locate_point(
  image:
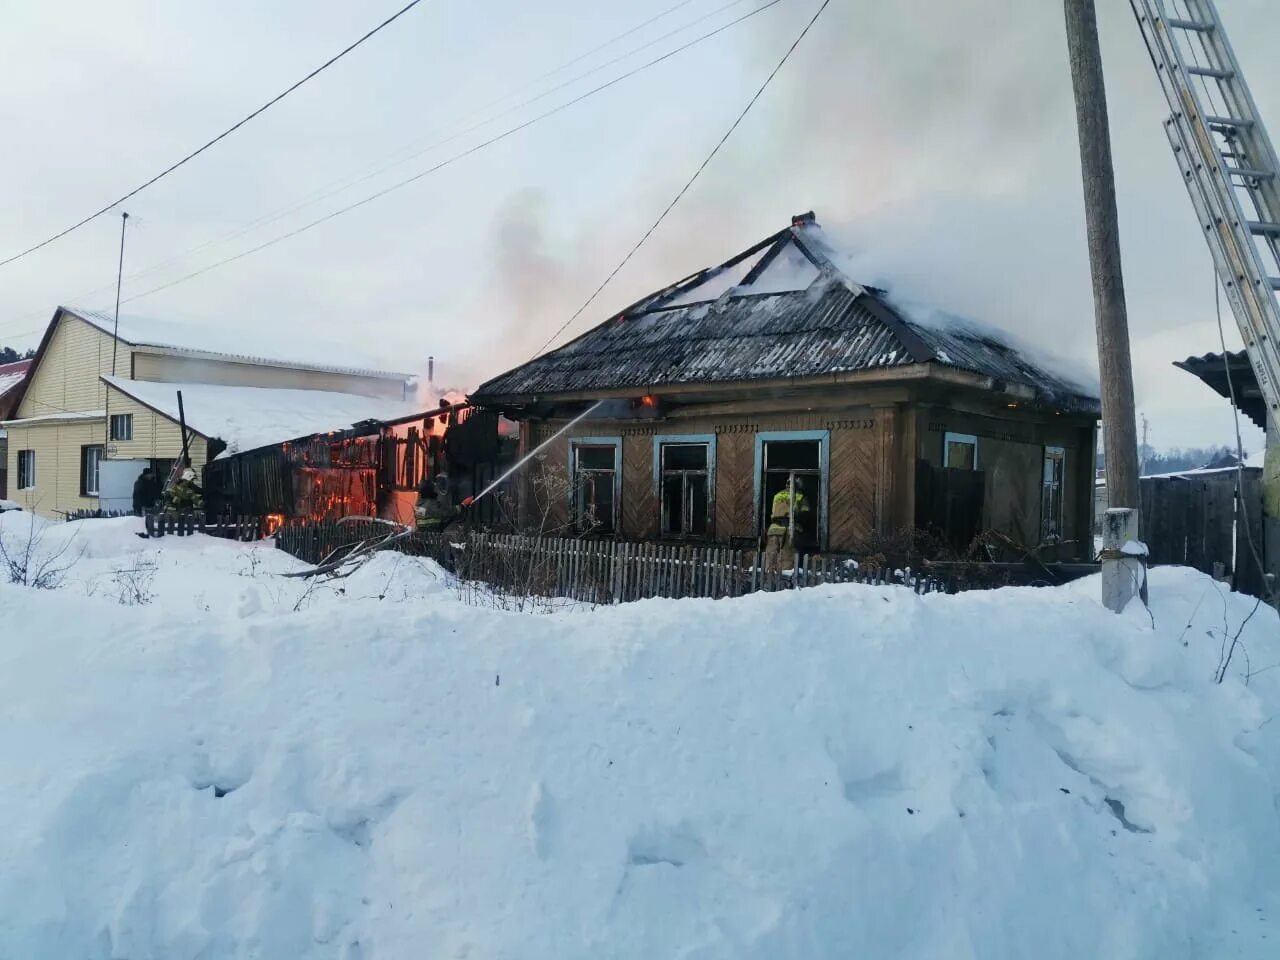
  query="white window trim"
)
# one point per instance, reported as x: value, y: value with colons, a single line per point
x: 97, y: 487
x: 950, y: 438
x: 126, y: 418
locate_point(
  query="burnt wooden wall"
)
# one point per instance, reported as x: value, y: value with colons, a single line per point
x: 856, y: 499
x: 866, y: 461
x: 735, y: 482
x: 639, y: 502
x: 1010, y: 455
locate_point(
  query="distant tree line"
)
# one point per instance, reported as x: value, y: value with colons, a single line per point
x: 10, y: 355
x: 1177, y: 459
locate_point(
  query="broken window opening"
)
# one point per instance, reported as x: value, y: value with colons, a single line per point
x: 686, y: 484
x: 595, y: 478
x: 792, y: 487
x: 1051, y: 502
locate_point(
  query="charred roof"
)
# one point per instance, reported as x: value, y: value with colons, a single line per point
x: 780, y: 309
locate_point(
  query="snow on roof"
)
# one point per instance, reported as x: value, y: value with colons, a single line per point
x: 249, y: 417
x: 64, y: 415
x: 11, y: 375
x: 259, y: 345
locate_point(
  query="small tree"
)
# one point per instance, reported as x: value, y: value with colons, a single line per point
x: 27, y: 562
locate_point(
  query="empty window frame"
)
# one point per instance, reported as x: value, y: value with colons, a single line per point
x: 684, y: 477
x: 595, y: 471
x: 121, y: 426
x: 1051, y: 499
x: 794, y: 461
x: 26, y: 469
x: 960, y: 451
x: 90, y: 466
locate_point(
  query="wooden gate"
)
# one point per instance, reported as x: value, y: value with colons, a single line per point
x: 949, y: 501
x: 1196, y: 520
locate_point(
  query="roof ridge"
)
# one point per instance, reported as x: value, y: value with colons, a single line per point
x: 99, y: 320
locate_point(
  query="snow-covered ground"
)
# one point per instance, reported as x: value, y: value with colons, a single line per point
x: 243, y: 768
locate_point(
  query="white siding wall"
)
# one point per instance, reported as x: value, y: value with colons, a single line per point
x: 67, y: 378
x: 155, y: 437
x: 57, y: 447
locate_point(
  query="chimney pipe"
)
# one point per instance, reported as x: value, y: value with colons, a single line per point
x: 431, y: 371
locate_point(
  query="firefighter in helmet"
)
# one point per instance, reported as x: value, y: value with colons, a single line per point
x: 185, y: 495
x: 789, y: 517
x: 434, y: 508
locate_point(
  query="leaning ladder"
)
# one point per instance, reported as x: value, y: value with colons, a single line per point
x: 1228, y: 165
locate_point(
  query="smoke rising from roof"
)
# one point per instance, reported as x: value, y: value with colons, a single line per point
x: 937, y: 142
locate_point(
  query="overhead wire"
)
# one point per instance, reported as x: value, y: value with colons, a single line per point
x: 339, y: 186
x: 511, y: 131
x: 221, y: 136
x: 1267, y: 587
x: 689, y: 183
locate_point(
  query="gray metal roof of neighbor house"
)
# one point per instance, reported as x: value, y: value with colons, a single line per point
x: 780, y: 309
x: 1212, y: 368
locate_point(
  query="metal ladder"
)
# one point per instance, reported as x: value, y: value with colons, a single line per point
x: 1229, y: 167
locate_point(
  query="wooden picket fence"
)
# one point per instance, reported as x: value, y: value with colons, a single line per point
x: 604, y: 571
x: 243, y: 529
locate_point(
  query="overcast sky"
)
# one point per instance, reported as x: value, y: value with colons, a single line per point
x: 936, y: 137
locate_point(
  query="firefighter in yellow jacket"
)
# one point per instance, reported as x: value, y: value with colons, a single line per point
x: 788, y: 519
x: 434, y: 508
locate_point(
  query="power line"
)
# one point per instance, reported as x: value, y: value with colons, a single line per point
x: 225, y: 133
x: 458, y: 156
x: 685, y: 189
x: 335, y: 187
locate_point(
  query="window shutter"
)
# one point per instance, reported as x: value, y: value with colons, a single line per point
x: 84, y: 469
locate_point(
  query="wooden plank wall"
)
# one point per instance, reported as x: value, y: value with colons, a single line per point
x: 865, y: 459
x: 856, y: 463
x: 735, y: 484
x: 639, y: 503
x: 1197, y: 522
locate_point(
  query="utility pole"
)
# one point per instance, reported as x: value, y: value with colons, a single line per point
x: 115, y: 333
x: 1119, y: 432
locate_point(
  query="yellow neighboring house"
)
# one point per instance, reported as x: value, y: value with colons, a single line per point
x: 77, y: 428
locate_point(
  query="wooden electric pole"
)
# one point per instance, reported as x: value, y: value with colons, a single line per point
x: 1119, y: 431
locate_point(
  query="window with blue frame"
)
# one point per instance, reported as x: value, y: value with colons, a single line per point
x: 685, y: 488
x: 791, y: 485
x: 595, y: 474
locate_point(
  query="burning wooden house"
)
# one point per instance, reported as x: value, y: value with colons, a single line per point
x: 371, y: 468
x: 776, y: 370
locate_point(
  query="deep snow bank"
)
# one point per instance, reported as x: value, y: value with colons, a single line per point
x: 838, y: 772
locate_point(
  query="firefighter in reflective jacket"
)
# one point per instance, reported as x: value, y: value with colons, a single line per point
x: 787, y: 515
x: 434, y: 508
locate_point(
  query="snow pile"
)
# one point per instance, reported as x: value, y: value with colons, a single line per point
x: 846, y: 771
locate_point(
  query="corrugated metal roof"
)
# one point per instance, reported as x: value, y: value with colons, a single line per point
x: 742, y: 338
x: 984, y: 355
x: 1211, y: 368
x: 245, y: 344
x: 831, y: 326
